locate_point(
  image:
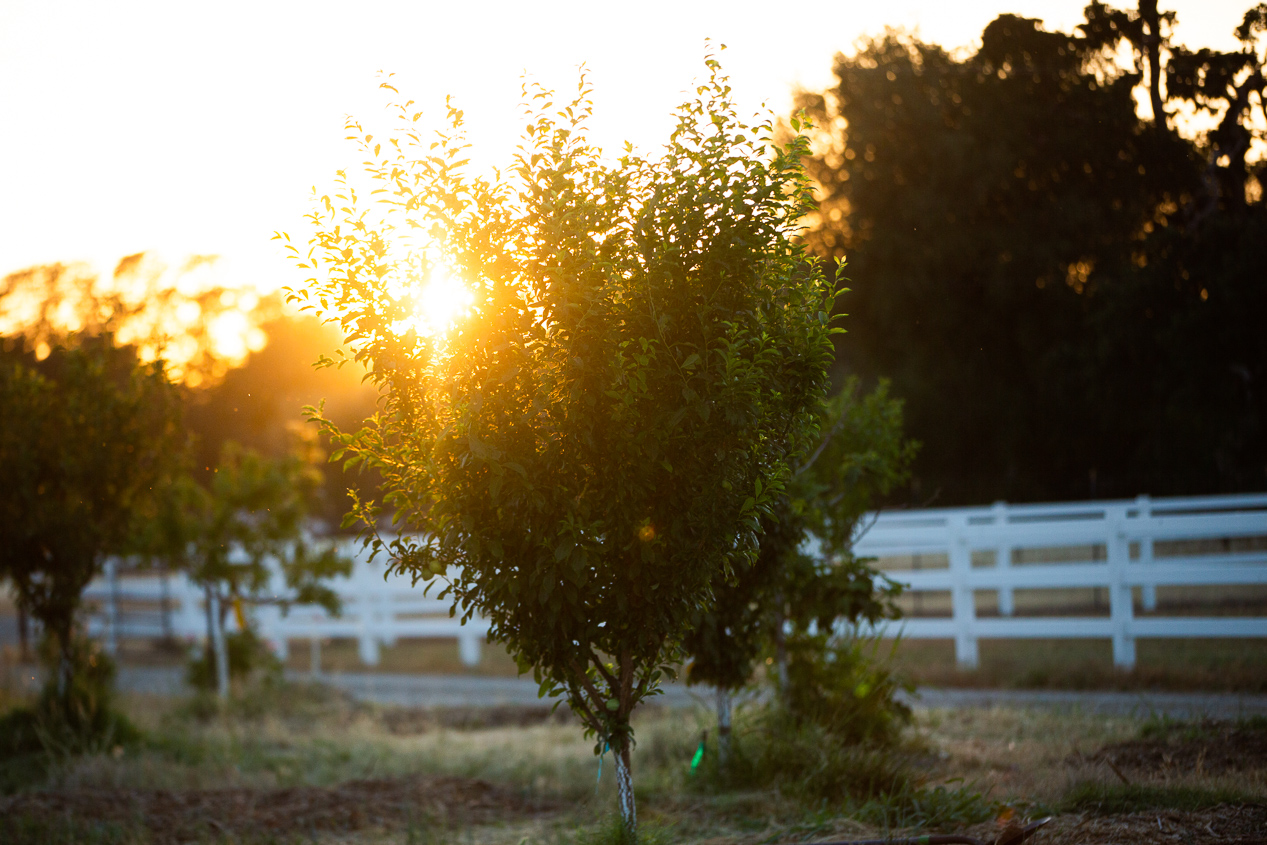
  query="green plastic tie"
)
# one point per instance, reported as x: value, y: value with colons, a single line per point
x: 699, y: 755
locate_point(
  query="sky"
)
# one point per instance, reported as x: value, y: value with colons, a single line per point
x: 185, y: 128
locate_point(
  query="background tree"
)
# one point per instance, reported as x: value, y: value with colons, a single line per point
x: 244, y: 364
x: 199, y: 325
x: 236, y: 535
x: 1027, y: 252
x: 859, y: 457
x: 593, y: 448
x: 259, y: 404
x: 87, y: 435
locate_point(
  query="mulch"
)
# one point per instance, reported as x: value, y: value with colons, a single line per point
x: 186, y: 815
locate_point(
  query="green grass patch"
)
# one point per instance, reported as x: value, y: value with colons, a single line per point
x: 26, y: 830
x: 1116, y: 798
x: 941, y: 807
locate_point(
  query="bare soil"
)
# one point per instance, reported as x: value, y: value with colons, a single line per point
x: 1243, y: 825
x: 1211, y: 748
x: 181, y: 816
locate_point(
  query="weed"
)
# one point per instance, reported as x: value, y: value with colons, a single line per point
x: 66, y: 830
x: 935, y: 808
x: 609, y: 831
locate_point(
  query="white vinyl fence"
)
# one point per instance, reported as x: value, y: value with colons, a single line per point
x: 1123, y: 546
x: 1119, y: 545
x: 374, y: 611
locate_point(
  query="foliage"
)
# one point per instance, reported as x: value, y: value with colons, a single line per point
x: 260, y: 403
x: 845, y: 687
x: 86, y: 437
x: 940, y: 807
x: 251, y: 515
x: 860, y: 456
x: 180, y: 315
x: 83, y: 720
x: 836, y: 733
x: 593, y: 449
x: 248, y: 656
x: 244, y: 538
x: 1059, y: 289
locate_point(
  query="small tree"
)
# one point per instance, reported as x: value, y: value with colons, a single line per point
x: 860, y: 455
x: 86, y: 437
x: 231, y: 534
x: 592, y: 449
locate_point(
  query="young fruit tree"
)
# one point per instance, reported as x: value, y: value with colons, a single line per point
x: 242, y: 537
x: 588, y: 449
x: 859, y: 456
x: 87, y: 435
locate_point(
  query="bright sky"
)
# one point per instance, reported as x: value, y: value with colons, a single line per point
x: 200, y: 128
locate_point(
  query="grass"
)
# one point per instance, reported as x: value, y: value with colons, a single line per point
x: 966, y: 768
x: 1182, y: 665
x: 1113, y: 799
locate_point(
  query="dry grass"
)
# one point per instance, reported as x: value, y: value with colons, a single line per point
x: 345, y: 772
x: 1188, y: 664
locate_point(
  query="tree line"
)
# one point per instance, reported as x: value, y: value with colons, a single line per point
x: 1068, y: 296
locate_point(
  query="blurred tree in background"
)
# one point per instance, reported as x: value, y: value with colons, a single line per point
x: 243, y: 538
x: 88, y: 437
x: 860, y: 456
x: 243, y: 365
x: 1068, y: 296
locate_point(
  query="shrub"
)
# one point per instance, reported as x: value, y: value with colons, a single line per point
x: 249, y: 656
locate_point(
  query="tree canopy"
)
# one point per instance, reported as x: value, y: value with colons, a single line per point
x: 1059, y: 288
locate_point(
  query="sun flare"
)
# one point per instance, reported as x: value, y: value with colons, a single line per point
x: 439, y: 304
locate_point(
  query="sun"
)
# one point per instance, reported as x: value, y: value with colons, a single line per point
x: 439, y: 304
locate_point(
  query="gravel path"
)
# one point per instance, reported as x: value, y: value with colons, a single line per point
x: 467, y: 691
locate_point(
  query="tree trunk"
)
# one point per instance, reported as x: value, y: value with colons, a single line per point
x: 780, y: 654
x: 221, y: 651
x: 625, y: 793
x: 65, y: 670
x: 1152, y: 44
x: 723, y: 728
x: 24, y: 634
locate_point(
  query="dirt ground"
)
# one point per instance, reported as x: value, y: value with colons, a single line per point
x: 181, y: 816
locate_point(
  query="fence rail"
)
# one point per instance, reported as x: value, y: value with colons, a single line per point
x: 375, y: 611
x: 1119, y: 542
x: 1129, y: 545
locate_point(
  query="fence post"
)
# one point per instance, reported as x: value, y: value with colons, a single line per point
x: 218, y: 643
x: 189, y: 621
x: 1148, y: 592
x: 368, y: 642
x: 469, y: 649
x: 1003, y: 560
x: 314, y: 654
x: 112, y: 606
x: 963, y: 608
x: 1121, y: 605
